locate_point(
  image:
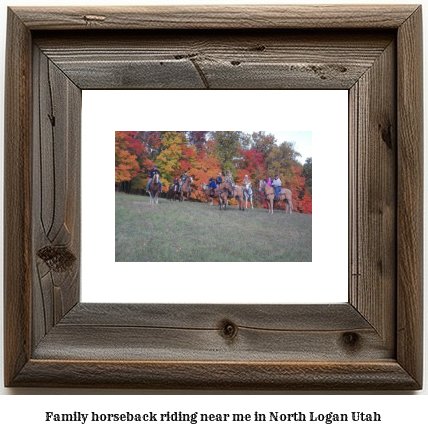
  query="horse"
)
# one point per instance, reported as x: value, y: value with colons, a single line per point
x: 173, y: 192
x: 269, y: 194
x: 207, y: 192
x: 154, y: 189
x: 248, y: 194
x: 238, y: 194
x: 185, y: 188
x: 286, y: 195
x: 223, y: 193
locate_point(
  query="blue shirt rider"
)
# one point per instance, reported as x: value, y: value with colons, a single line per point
x: 151, y: 175
x: 175, y: 183
x: 212, y: 186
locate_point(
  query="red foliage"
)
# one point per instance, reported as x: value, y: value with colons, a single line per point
x: 306, y: 203
x: 136, y: 152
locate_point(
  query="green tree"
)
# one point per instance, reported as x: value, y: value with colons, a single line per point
x: 227, y: 148
x: 263, y: 142
x: 281, y: 159
x: 307, y: 173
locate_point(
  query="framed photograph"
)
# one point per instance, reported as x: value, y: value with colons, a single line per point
x: 230, y: 170
x: 372, y: 341
x: 143, y: 236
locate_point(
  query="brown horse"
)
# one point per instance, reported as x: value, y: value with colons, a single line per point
x: 208, y: 195
x: 155, y: 189
x: 173, y: 192
x: 223, y: 193
x: 269, y: 194
x: 238, y: 194
x: 185, y: 189
x: 287, y: 197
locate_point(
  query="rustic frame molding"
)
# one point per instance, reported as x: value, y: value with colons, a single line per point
x: 372, y: 342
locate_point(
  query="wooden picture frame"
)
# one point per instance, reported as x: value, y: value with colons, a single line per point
x: 372, y: 342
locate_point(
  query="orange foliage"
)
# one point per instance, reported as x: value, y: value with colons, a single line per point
x: 176, y: 151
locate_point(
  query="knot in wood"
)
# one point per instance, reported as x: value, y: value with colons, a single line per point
x: 58, y: 259
x: 386, y: 134
x: 351, y: 340
x: 227, y: 329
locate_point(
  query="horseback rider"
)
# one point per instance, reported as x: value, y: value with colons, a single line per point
x: 247, y: 184
x: 175, y: 183
x: 248, y: 191
x: 151, y: 175
x: 183, y: 177
x: 212, y: 186
x: 276, y: 183
x: 219, y: 179
x: 229, y: 178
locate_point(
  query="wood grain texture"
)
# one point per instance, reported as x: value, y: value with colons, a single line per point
x: 199, y: 332
x: 56, y: 194
x: 372, y: 342
x: 209, y: 316
x: 17, y: 198
x: 385, y: 375
x: 216, y: 59
x: 217, y: 17
x: 373, y: 177
x: 410, y: 190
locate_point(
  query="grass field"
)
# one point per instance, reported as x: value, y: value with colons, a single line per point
x: 195, y: 232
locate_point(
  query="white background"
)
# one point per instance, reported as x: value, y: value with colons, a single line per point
x: 400, y: 413
x: 324, y: 280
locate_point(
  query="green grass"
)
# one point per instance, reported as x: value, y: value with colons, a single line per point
x: 195, y: 232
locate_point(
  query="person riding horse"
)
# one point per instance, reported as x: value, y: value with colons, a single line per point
x: 219, y: 179
x: 176, y: 183
x: 212, y: 186
x: 276, y: 183
x: 151, y: 175
x: 183, y: 177
x: 229, y: 178
x: 248, y: 191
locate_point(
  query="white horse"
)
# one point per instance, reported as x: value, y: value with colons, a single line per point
x: 154, y: 189
x: 248, y: 194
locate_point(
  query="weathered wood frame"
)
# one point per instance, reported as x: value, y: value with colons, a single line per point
x: 372, y: 342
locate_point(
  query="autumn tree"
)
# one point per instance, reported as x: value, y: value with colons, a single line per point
x: 169, y: 160
x: 281, y: 159
x: 204, y: 168
x: 263, y: 142
x: 203, y: 154
x: 306, y: 203
x: 198, y: 139
x: 151, y: 142
x: 251, y: 163
x: 126, y: 165
x: 245, y: 140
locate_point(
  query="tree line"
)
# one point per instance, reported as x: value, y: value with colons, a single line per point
x: 204, y: 154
